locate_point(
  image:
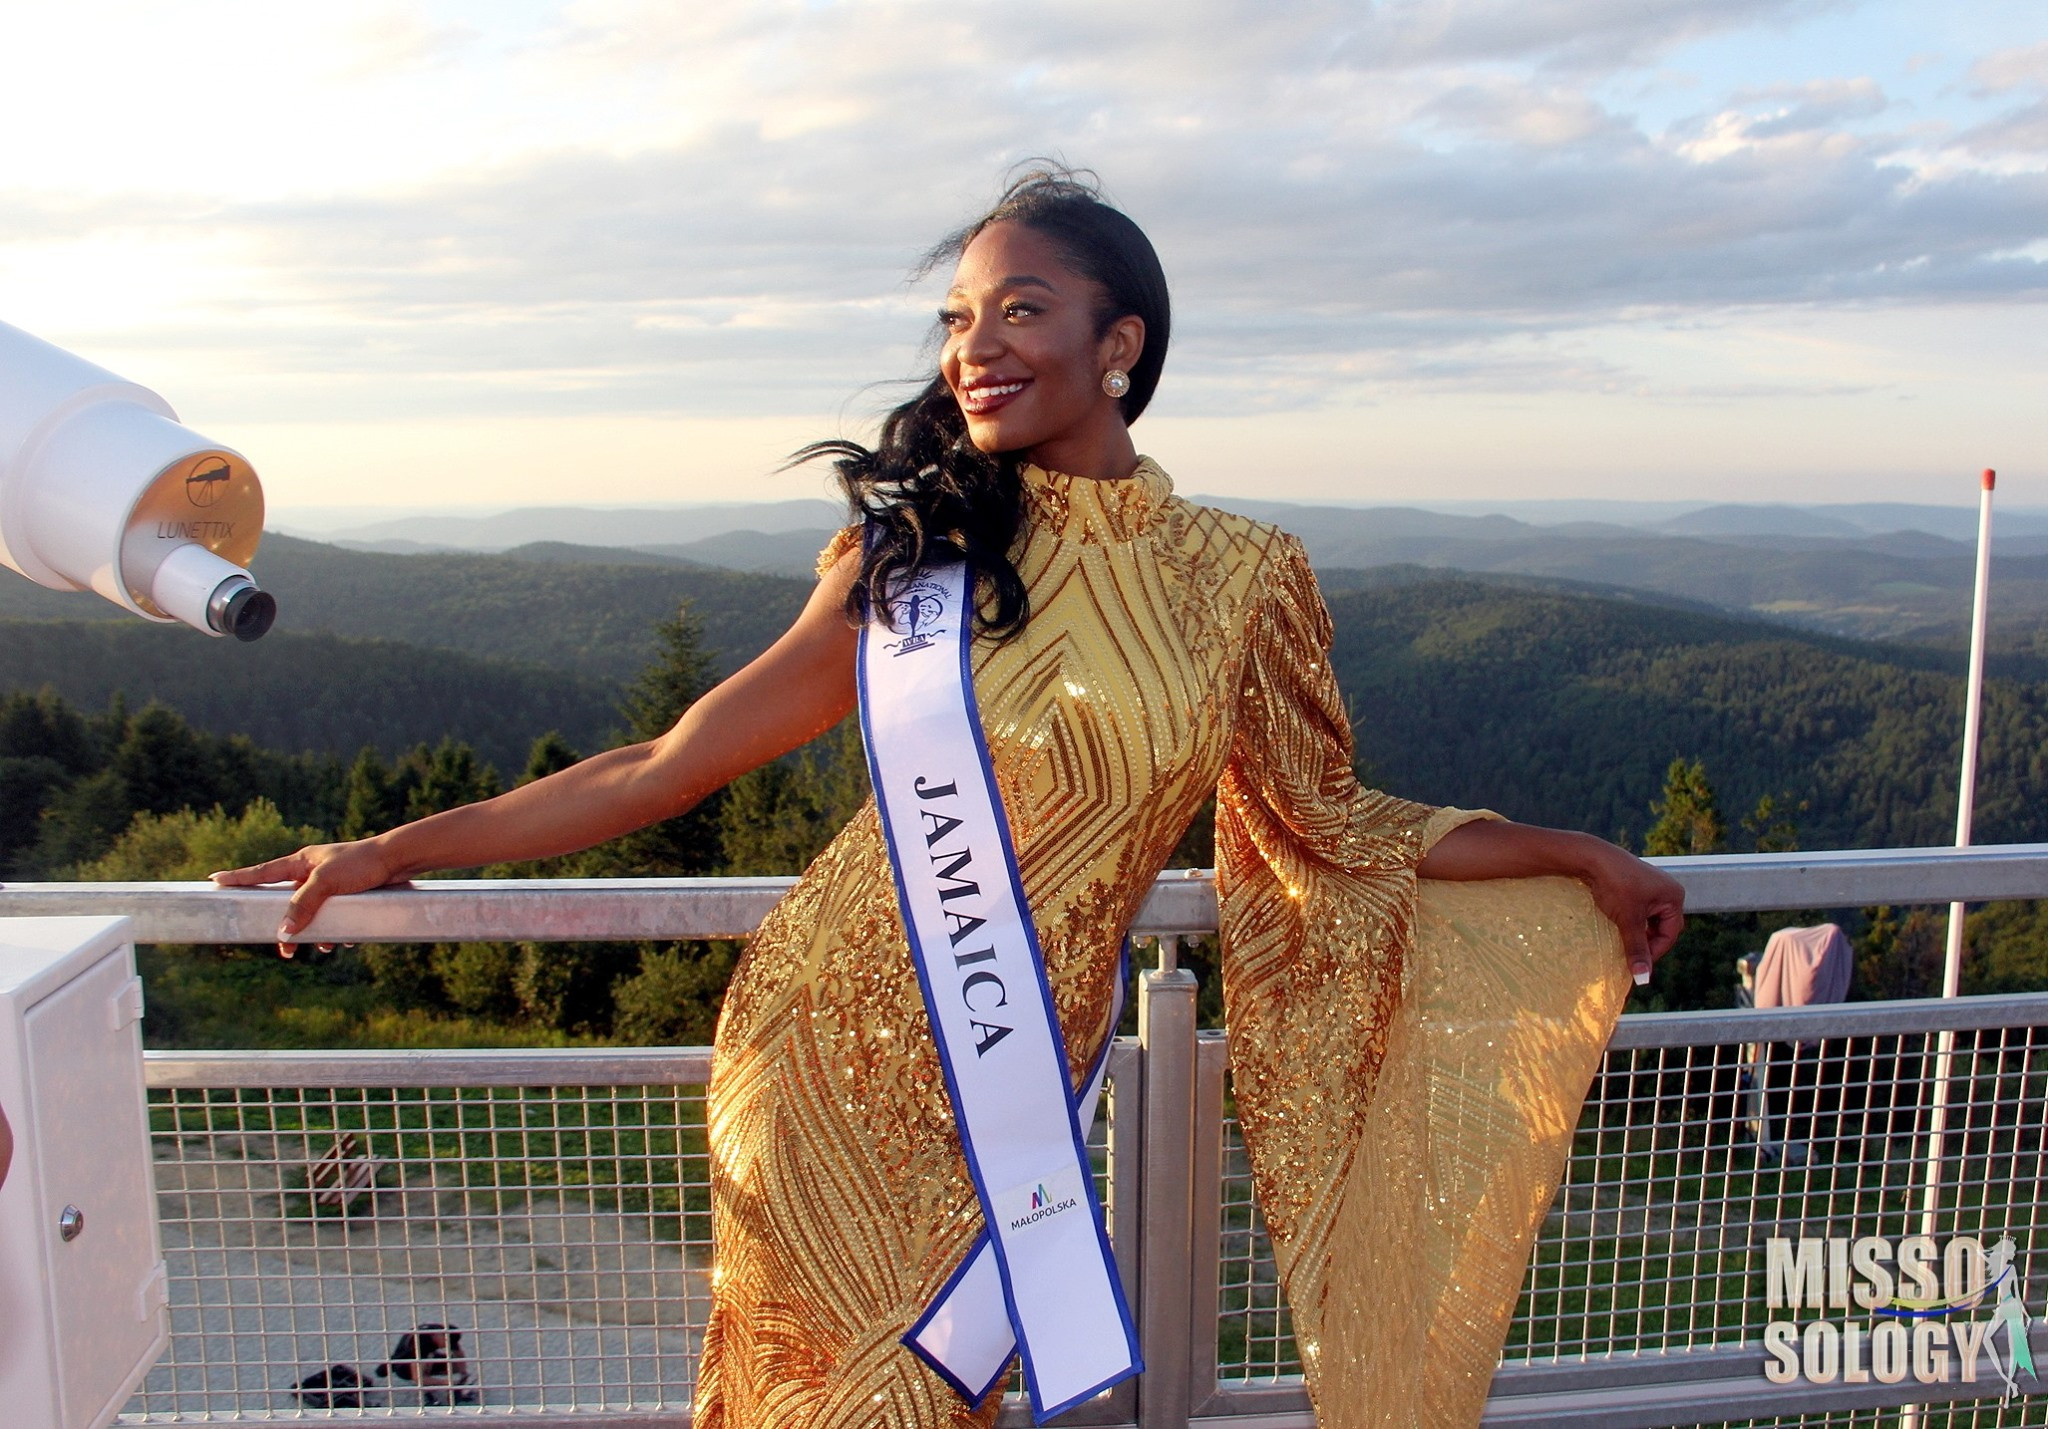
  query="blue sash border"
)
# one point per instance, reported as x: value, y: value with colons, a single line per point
x: 910, y: 1336
x: 1040, y: 1412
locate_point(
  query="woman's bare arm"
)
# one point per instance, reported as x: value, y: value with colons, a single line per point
x: 1646, y: 904
x: 797, y: 689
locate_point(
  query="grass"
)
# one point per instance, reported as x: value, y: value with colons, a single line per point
x: 628, y: 1151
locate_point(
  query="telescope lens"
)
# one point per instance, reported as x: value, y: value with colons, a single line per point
x: 246, y: 613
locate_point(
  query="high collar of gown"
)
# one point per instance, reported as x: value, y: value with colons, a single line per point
x: 1085, y: 508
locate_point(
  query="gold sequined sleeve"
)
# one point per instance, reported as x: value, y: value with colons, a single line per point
x: 1408, y: 1057
x: 843, y: 540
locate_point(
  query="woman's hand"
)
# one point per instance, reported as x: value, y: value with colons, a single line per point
x: 1646, y: 904
x: 320, y: 871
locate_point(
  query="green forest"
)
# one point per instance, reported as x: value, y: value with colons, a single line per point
x: 130, y: 753
x: 142, y: 794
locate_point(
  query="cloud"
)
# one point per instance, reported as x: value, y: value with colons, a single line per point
x: 392, y: 40
x: 1506, y: 110
x: 2005, y: 70
x: 1347, y: 199
x: 2022, y: 131
x: 1566, y: 34
x: 1817, y: 105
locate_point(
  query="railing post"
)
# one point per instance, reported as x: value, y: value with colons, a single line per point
x: 1166, y: 1038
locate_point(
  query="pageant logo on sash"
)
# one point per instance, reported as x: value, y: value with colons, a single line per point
x: 917, y: 613
x: 1041, y: 1280
x: 1884, y: 1312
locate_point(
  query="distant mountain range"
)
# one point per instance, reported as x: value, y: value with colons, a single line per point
x: 570, y: 609
x: 1544, y: 699
x: 1875, y: 570
x: 1867, y: 518
x: 1560, y: 707
x: 1555, y: 682
x: 585, y: 585
x: 295, y: 691
x: 557, y: 608
x: 582, y: 526
x: 683, y: 526
x: 1903, y: 584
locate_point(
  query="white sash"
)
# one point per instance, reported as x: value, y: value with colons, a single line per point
x: 1043, y: 1276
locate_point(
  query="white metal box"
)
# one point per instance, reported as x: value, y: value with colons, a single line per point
x: 82, y: 1284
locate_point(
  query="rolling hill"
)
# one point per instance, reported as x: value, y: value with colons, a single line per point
x: 297, y: 692
x: 588, y: 618
x: 1896, y: 585
x: 1557, y: 702
x: 1565, y: 708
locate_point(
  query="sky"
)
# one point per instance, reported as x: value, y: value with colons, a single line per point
x: 482, y: 255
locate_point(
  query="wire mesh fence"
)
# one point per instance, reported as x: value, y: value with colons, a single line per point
x: 1690, y: 1159
x: 1691, y: 1156
x: 498, y: 1239
x: 407, y: 1250
x: 1254, y: 1334
x: 394, y: 1247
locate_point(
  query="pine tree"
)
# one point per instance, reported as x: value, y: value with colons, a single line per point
x: 27, y: 786
x: 43, y: 726
x: 1901, y: 957
x: 571, y: 987
x: 777, y: 818
x: 165, y: 764
x: 369, y: 802
x: 550, y: 755
x: 80, y: 823
x: 1771, y: 828
x: 679, y: 675
x: 1688, y: 817
x: 448, y: 778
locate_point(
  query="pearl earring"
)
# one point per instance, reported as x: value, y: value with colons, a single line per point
x: 1116, y: 382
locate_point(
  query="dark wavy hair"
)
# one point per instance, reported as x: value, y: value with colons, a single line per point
x: 925, y: 490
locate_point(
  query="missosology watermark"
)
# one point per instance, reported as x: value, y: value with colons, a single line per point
x: 1870, y: 1309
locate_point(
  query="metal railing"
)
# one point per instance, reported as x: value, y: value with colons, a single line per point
x: 554, y: 1204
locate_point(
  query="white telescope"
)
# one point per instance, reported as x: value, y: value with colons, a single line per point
x: 102, y: 489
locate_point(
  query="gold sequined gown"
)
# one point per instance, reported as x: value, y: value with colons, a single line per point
x: 1408, y: 1067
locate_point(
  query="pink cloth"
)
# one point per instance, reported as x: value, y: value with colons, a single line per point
x: 1802, y: 966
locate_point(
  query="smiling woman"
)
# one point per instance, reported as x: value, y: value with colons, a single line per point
x: 1058, y: 661
x: 1052, y: 292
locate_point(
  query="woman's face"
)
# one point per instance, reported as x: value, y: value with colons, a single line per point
x: 1022, y: 354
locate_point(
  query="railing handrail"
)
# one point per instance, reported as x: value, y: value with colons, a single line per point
x: 433, y: 1067
x: 691, y: 1066
x: 1166, y: 1147
x: 1182, y: 901
x: 1831, y: 1021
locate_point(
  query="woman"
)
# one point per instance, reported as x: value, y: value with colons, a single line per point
x: 1134, y: 654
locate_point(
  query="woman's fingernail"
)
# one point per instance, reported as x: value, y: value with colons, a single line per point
x: 1642, y: 975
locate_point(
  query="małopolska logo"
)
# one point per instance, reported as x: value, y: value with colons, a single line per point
x: 1906, y: 1310
x: 1040, y: 1204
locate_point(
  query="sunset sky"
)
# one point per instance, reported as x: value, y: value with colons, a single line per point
x: 474, y: 255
